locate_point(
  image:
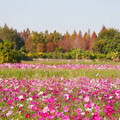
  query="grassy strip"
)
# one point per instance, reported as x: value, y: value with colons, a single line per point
x: 65, y: 73
x: 57, y: 62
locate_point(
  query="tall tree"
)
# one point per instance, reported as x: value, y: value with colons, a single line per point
x: 29, y: 44
x: 12, y: 36
x: 92, y: 41
x: 108, y: 41
x: 102, y: 30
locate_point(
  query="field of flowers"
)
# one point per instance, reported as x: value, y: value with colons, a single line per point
x: 59, y: 92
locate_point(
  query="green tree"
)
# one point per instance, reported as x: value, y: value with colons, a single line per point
x: 12, y: 36
x: 8, y: 54
x: 108, y: 41
x: 76, y: 52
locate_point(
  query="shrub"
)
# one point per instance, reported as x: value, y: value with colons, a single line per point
x: 8, y: 54
x: 100, y: 56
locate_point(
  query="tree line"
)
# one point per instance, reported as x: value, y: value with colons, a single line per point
x: 107, y: 41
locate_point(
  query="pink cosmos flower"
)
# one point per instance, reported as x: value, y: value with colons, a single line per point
x: 58, y: 114
x: 10, y: 102
x: 45, y: 115
x: 86, y: 99
x: 33, y: 108
x: 20, y: 108
x: 79, y: 110
x: 52, y: 111
x: 108, y: 114
x: 97, y: 107
x: 45, y: 109
x: 96, y: 116
x: 9, y: 113
x: 86, y: 118
x: 65, y: 117
x: 33, y: 89
x: 66, y: 109
x: 16, y: 98
x: 108, y: 108
x: 34, y: 116
x: 88, y: 105
x: 41, y: 118
x: 38, y: 109
x: 66, y: 96
x: 51, y: 117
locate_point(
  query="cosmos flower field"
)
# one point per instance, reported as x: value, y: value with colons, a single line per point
x: 59, y: 92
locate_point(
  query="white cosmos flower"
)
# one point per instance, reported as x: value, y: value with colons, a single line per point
x: 65, y: 89
x: 20, y: 105
x: 116, y: 93
x: 29, y: 99
x: 88, y: 109
x: 69, y: 91
x: 20, y: 97
x: 40, y: 93
x: 82, y: 113
x: 30, y: 106
x: 110, y: 97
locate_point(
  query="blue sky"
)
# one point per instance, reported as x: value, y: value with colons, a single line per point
x: 60, y: 15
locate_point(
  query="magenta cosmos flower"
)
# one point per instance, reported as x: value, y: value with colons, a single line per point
x: 10, y: 102
x: 28, y: 116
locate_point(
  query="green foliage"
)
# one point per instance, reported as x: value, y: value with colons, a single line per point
x: 8, y: 54
x: 12, y: 35
x: 59, y: 49
x: 112, y: 55
x: 75, y: 53
x: 100, y: 56
x: 23, y: 49
x: 99, y: 46
x: 108, y: 41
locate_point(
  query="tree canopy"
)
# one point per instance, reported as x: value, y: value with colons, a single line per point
x: 108, y: 41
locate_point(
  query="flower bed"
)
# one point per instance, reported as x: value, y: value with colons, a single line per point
x: 60, y: 99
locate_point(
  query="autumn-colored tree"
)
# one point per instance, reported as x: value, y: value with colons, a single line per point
x: 29, y: 44
x: 40, y: 47
x: 74, y: 35
x: 25, y: 34
x: 83, y: 41
x: 102, y: 30
x: 28, y: 32
x: 50, y: 47
x: 92, y: 41
x: 87, y: 39
x: 67, y: 35
x: 79, y: 36
x: 51, y: 36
